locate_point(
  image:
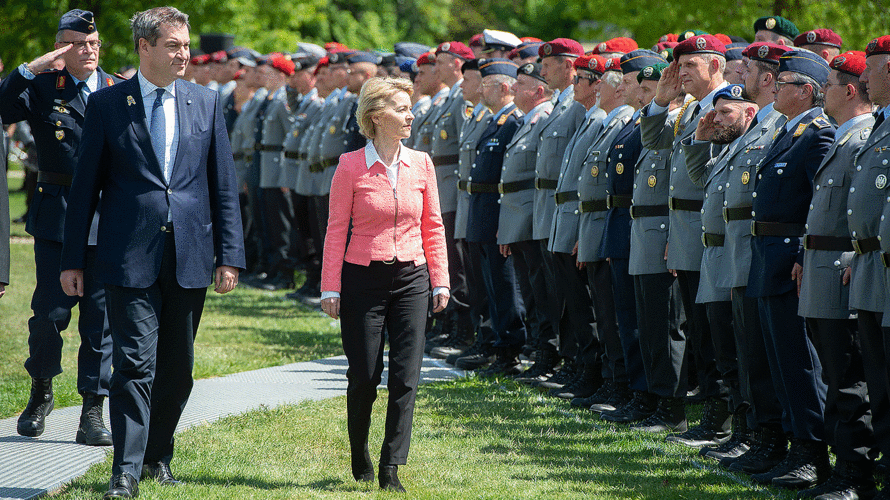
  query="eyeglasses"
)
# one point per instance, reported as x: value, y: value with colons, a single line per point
x: 94, y: 44
x: 578, y: 78
x: 779, y: 84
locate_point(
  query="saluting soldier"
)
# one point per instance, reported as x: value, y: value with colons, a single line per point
x: 53, y: 103
x: 782, y: 194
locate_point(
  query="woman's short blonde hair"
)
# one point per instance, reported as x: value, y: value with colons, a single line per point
x: 372, y: 99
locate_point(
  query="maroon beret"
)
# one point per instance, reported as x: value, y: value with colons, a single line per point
x: 880, y: 45
x: 701, y: 44
x: 426, y: 58
x: 456, y: 49
x: 851, y: 62
x: 765, y: 51
x: 823, y: 36
x: 561, y: 47
x: 618, y: 44
x: 476, y: 40
x: 613, y: 64
x: 591, y: 62
x: 282, y: 63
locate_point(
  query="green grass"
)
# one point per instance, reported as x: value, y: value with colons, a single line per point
x: 473, y: 438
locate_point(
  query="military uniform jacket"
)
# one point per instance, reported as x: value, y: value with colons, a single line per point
x: 592, y: 185
x: 782, y: 193
x: 470, y: 133
x: 865, y: 204
x: 419, y: 110
x: 54, y: 109
x: 445, y: 145
x: 424, y: 125
x: 554, y: 136
x: 334, y: 140
x: 741, y: 162
x: 277, y: 122
x: 304, y: 112
x: 564, y: 229
x: 313, y: 145
x: 822, y: 293
x: 622, y: 158
x: 243, y: 137
x: 684, y: 235
x: 518, y: 207
x: 648, y: 235
x: 482, y: 226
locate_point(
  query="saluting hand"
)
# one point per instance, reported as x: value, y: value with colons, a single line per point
x: 45, y: 61
x: 706, y: 128
x: 226, y: 279
x: 668, y: 85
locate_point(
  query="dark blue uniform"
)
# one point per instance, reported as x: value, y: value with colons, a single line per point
x: 54, y: 108
x: 783, y: 190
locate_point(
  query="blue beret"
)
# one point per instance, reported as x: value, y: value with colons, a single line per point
x: 406, y: 64
x: 360, y: 57
x: 636, y: 60
x: 78, y: 20
x: 806, y: 63
x: 498, y: 66
x: 410, y: 49
x: 733, y: 92
x: 734, y: 51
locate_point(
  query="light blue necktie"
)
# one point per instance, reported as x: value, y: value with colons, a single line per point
x: 159, y: 130
x: 84, y: 91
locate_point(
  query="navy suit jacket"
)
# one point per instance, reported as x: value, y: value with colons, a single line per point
x: 625, y: 151
x: 116, y: 159
x: 782, y: 193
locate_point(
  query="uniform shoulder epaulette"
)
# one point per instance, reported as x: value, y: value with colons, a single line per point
x: 821, y: 122
x: 50, y: 70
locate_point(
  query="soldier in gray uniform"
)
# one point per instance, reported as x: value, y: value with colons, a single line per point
x: 565, y: 245
x: 429, y: 84
x: 824, y: 294
x: 557, y: 67
x: 698, y: 61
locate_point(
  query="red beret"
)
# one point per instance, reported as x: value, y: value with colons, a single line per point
x: 201, y: 60
x: 219, y: 56
x: 591, y: 62
x: 282, y: 63
x: 822, y: 36
x: 765, y: 51
x: 851, y: 62
x: 880, y: 45
x: 723, y: 38
x: 670, y: 37
x: 613, y: 64
x: 426, y: 58
x: 528, y: 39
x: 324, y: 62
x: 456, y: 49
x: 476, y: 40
x: 618, y: 44
x: 335, y: 47
x: 701, y: 44
x: 561, y: 47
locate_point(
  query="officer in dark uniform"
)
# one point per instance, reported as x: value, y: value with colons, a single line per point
x: 782, y: 194
x: 53, y: 103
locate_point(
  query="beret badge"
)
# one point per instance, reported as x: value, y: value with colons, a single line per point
x: 872, y: 45
x: 602, y: 47
x: 446, y: 47
x: 647, y: 71
x: 736, y: 91
x: 592, y: 63
x: 811, y: 36
x: 547, y: 49
x: 770, y: 23
x: 608, y: 63
x: 838, y: 61
x: 689, y: 34
x: 527, y: 69
x: 763, y: 51
x: 701, y: 43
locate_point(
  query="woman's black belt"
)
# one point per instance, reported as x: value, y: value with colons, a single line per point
x: 593, y: 206
x: 638, y: 211
x: 545, y: 183
x: 786, y: 229
x: 566, y: 196
x: 619, y: 201
x: 685, y: 205
x: 54, y: 178
x: 516, y: 186
x: 832, y: 243
x: 737, y: 213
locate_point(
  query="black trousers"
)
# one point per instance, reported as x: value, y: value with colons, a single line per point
x: 755, y: 381
x: 279, y: 216
x: 578, y: 321
x: 394, y: 298
x: 530, y: 267
x: 52, y: 314
x: 874, y: 361
x: 624, y: 356
x: 480, y: 317
x: 459, y: 303
x: 698, y: 335
x: 724, y: 345
x: 663, y: 348
x: 794, y: 366
x: 154, y: 332
x: 848, y: 426
x: 302, y: 246
x: 504, y: 299
x: 318, y: 227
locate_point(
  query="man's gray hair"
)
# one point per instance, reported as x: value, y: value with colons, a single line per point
x: 818, y: 94
x: 147, y: 24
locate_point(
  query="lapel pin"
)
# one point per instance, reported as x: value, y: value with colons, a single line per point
x: 130, y: 100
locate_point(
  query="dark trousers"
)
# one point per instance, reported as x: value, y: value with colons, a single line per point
x: 698, y: 335
x: 52, y: 313
x: 755, y: 381
x: 578, y: 321
x: 794, y: 366
x: 723, y: 342
x: 480, y: 317
x: 302, y: 246
x: 279, y: 216
x: 459, y: 304
x: 847, y: 414
x: 530, y: 267
x: 318, y: 227
x: 394, y: 298
x: 504, y: 299
x: 628, y: 360
x: 874, y: 361
x: 154, y: 335
x: 598, y: 276
x: 663, y: 348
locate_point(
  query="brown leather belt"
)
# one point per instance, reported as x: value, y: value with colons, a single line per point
x: 320, y: 166
x: 566, y: 196
x: 476, y: 187
x: 685, y: 205
x: 786, y: 229
x: 712, y: 239
x: 618, y: 201
x: 737, y: 213
x: 593, y: 206
x: 638, y: 211
x: 833, y: 243
x: 865, y: 245
x: 461, y: 185
x: 237, y: 156
x: 273, y: 149
x: 54, y: 178
x: 545, y: 183
x: 293, y: 155
x: 446, y: 160
x: 516, y: 186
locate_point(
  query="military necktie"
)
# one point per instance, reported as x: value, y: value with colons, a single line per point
x: 879, y: 119
x: 84, y: 91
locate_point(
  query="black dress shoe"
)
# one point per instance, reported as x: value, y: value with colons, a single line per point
x: 122, y: 486
x: 32, y: 421
x: 92, y: 430
x: 160, y: 472
x: 362, y: 468
x: 389, y: 478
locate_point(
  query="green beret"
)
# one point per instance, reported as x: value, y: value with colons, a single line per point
x: 689, y: 34
x: 652, y: 72
x: 777, y: 24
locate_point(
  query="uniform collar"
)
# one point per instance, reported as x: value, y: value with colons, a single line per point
x: 613, y: 113
x: 792, y: 123
x: 593, y: 109
x: 761, y: 115
x: 710, y: 97
x: 845, y: 127
x: 455, y: 88
x: 92, y: 81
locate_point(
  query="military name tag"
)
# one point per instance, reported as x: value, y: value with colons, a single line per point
x: 881, y: 181
x: 619, y: 169
x: 652, y: 181
x: 594, y: 171
x: 60, y: 134
x: 746, y: 177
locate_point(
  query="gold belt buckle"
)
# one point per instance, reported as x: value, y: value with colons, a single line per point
x: 468, y: 187
x: 856, y: 247
x: 753, y: 228
x: 501, y: 188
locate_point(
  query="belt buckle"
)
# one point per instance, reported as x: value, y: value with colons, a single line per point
x: 390, y: 262
x: 537, y: 184
x: 704, y: 240
x: 632, y: 212
x: 856, y: 247
x: 753, y: 228
x: 726, y: 214
x: 468, y: 187
x: 885, y: 259
x: 671, y: 203
x: 501, y: 188
x: 609, y: 201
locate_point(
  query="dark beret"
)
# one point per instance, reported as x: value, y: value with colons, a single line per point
x: 533, y: 70
x: 778, y: 25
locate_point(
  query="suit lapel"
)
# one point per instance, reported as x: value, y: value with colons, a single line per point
x: 139, y: 123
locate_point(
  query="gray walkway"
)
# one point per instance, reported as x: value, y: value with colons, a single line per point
x: 31, y: 467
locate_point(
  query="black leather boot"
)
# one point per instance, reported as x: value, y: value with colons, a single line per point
x: 506, y: 363
x: 389, y: 478
x: 122, y: 486
x: 848, y: 481
x: 806, y: 466
x: 92, y: 430
x: 767, y: 452
x: 739, y: 443
x: 545, y: 362
x: 670, y: 415
x: 32, y: 421
x: 587, y: 382
x: 711, y: 431
x: 641, y: 407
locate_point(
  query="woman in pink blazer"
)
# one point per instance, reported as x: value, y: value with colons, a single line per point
x: 383, y: 279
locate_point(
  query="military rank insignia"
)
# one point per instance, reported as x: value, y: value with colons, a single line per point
x: 652, y: 181
x: 60, y: 134
x: 109, y: 81
x: 619, y: 169
x: 502, y: 120
x: 131, y: 101
x: 468, y: 111
x: 746, y: 177
x: 60, y: 82
x: 800, y: 129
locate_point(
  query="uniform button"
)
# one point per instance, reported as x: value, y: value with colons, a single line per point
x: 470, y: 178
x: 499, y: 201
x: 817, y: 188
x: 662, y: 226
x: 754, y: 194
x: 539, y: 155
x: 638, y: 171
x: 780, y: 171
x: 806, y: 227
x: 506, y: 155
x: 674, y: 169
x: 455, y: 172
x: 560, y: 176
x: 759, y: 176
x: 730, y: 168
x: 635, y: 186
x: 849, y: 211
x: 163, y: 229
x: 554, y: 133
x: 725, y: 203
x: 169, y: 191
x: 882, y: 219
x: 672, y: 188
x: 749, y: 162
x: 59, y: 123
x: 474, y: 165
x: 884, y: 162
x: 579, y: 178
x: 702, y: 212
x: 811, y: 206
x: 852, y: 190
x: 504, y: 169
x: 727, y: 184
x: 607, y: 175
x: 620, y: 155
x: 858, y: 167
x: 719, y: 188
x: 576, y: 212
x: 753, y: 214
x: 653, y: 165
x: 854, y: 234
x: 831, y: 181
x: 787, y: 240
x: 40, y: 189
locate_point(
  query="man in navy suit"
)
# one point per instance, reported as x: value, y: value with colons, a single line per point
x: 53, y: 103
x: 156, y: 148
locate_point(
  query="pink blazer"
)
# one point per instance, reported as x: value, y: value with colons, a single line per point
x: 405, y: 222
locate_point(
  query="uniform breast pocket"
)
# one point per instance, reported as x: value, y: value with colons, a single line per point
x: 836, y: 190
x: 743, y: 177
